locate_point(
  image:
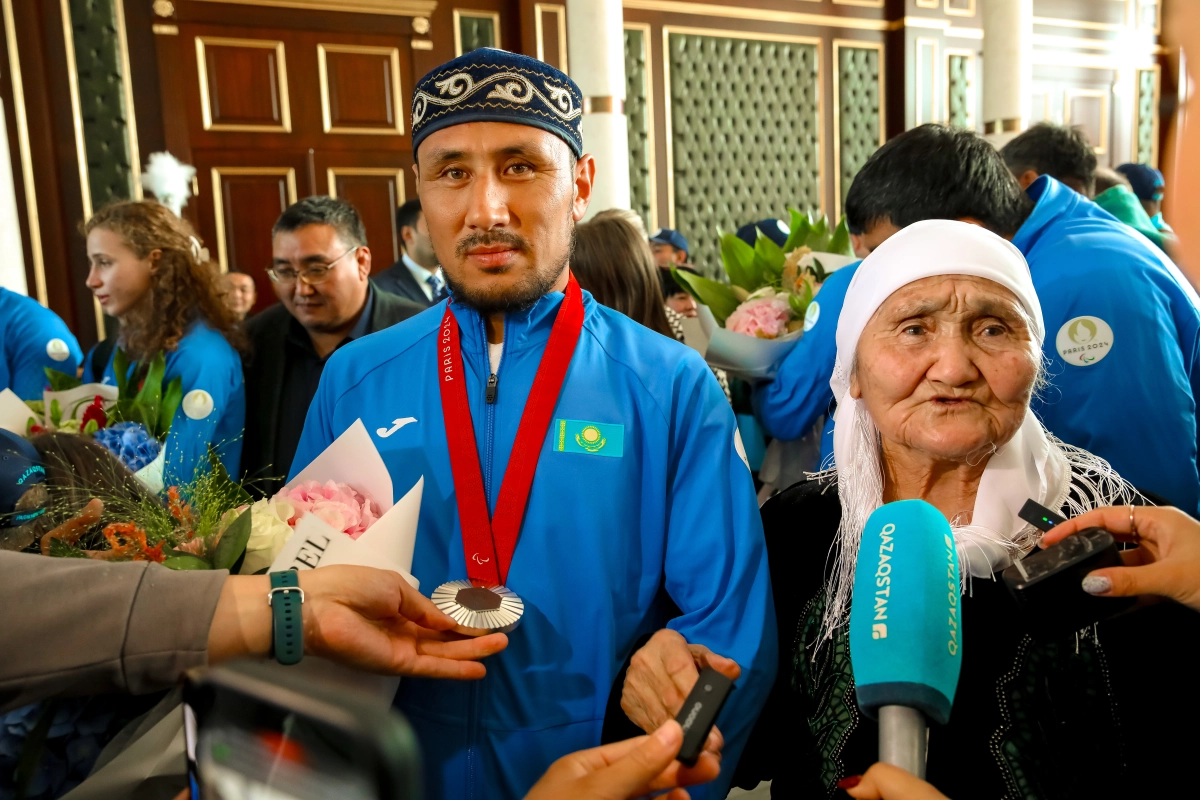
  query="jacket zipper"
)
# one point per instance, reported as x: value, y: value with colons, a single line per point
x: 489, y: 399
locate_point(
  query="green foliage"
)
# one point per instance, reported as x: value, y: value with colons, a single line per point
x: 800, y: 302
x: 799, y: 231
x: 150, y: 406
x: 739, y: 261
x: 91, y: 427
x: 232, y: 543
x: 768, y: 257
x: 55, y: 412
x: 185, y: 561
x: 719, y: 298
x: 840, y: 242
x: 60, y: 549
x: 61, y: 381
x: 819, y: 234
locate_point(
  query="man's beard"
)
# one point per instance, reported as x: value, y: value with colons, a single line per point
x: 532, y: 286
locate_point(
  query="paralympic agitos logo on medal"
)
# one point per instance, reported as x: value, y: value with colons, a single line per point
x: 1083, y: 341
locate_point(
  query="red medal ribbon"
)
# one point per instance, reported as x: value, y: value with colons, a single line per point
x: 488, y: 544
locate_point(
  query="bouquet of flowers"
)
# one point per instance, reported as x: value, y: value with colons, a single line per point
x: 206, y: 524
x: 752, y: 321
x: 131, y: 420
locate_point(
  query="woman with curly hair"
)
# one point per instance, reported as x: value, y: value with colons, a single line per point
x: 149, y: 271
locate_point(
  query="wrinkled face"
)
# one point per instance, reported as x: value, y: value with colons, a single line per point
x: 501, y: 201
x: 418, y: 245
x: 683, y: 303
x: 666, y: 256
x: 117, y: 277
x: 240, y: 293
x: 946, y: 367
x: 332, y: 303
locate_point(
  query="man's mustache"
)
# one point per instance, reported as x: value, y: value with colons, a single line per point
x: 490, y: 238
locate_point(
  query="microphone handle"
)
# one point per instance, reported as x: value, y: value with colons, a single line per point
x: 903, y: 738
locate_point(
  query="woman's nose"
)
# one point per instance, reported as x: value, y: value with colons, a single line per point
x: 954, y: 363
x: 93, y: 279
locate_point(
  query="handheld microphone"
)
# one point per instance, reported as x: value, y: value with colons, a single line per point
x: 906, y: 627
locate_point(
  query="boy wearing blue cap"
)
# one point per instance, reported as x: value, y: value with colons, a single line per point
x: 669, y: 247
x: 31, y: 339
x: 1148, y: 184
x: 641, y: 491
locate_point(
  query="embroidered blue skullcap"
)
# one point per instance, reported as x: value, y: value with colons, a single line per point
x: 489, y: 85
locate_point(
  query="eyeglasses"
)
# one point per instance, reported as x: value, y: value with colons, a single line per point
x: 314, y: 275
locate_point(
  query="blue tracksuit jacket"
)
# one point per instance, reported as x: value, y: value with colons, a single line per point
x: 1134, y: 406
x: 26, y: 333
x: 792, y: 403
x: 203, y: 360
x: 602, y: 536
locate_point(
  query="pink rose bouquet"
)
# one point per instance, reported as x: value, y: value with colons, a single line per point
x: 765, y: 317
x: 336, y: 504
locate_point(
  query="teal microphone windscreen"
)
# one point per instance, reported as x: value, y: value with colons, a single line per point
x: 905, y: 616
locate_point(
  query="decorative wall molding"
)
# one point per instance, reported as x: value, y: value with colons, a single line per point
x: 393, y: 56
x: 760, y: 14
x: 401, y: 8
x: 218, y: 197
x: 285, y: 110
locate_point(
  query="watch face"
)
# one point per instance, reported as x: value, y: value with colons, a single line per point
x: 479, y: 610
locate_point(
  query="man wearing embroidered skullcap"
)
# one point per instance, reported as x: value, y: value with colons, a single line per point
x: 32, y: 338
x: 575, y: 464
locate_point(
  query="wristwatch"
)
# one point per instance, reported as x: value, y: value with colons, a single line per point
x: 286, y: 600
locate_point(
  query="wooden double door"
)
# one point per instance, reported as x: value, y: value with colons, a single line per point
x: 278, y: 105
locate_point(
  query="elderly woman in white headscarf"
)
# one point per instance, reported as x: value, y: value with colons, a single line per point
x: 939, y: 347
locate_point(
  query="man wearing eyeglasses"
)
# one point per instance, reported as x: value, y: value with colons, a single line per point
x: 320, y: 272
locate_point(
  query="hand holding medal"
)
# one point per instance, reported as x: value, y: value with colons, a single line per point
x: 482, y: 604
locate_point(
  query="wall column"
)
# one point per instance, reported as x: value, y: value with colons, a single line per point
x: 1007, y: 68
x: 596, y: 53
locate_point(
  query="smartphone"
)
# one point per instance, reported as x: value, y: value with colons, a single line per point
x: 252, y: 734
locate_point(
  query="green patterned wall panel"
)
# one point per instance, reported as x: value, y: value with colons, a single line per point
x: 102, y: 100
x: 858, y: 105
x: 476, y: 32
x: 958, y: 100
x: 638, y: 116
x: 1145, y: 116
x: 745, y: 128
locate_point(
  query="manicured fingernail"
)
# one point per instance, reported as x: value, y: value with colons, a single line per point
x: 849, y: 782
x: 1097, y: 584
x: 665, y: 733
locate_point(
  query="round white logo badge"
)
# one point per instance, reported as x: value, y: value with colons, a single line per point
x: 58, y: 350
x: 197, y: 404
x: 812, y: 316
x: 1083, y: 341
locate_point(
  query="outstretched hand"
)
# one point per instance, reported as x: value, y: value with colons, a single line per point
x: 662, y: 674
x: 886, y: 782
x: 1166, y: 561
x: 632, y: 768
x: 367, y: 618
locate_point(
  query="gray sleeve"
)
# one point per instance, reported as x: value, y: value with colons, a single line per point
x: 76, y: 626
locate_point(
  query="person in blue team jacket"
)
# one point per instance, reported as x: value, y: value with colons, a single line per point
x: 32, y: 338
x: 1122, y: 341
x: 657, y: 505
x: 149, y: 271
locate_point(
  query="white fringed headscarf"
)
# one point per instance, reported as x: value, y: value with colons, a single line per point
x: 1033, y: 464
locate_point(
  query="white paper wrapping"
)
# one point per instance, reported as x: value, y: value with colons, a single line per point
x: 74, y: 401
x: 354, y: 460
x: 14, y: 414
x: 740, y: 355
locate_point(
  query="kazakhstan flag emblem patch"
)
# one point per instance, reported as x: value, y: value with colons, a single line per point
x: 591, y: 438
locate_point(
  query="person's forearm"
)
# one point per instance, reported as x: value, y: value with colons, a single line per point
x: 76, y: 626
x: 241, y: 625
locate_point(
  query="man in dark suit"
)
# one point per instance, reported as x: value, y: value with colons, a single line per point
x: 320, y: 271
x: 416, y: 275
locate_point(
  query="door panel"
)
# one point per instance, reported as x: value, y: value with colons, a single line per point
x: 376, y: 193
x: 243, y: 84
x: 360, y: 89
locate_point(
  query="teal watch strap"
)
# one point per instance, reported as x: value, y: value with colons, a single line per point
x: 286, y: 599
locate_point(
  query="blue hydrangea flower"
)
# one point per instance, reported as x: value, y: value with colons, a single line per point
x: 130, y: 442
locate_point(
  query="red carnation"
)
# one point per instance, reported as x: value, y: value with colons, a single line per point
x: 95, y: 412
